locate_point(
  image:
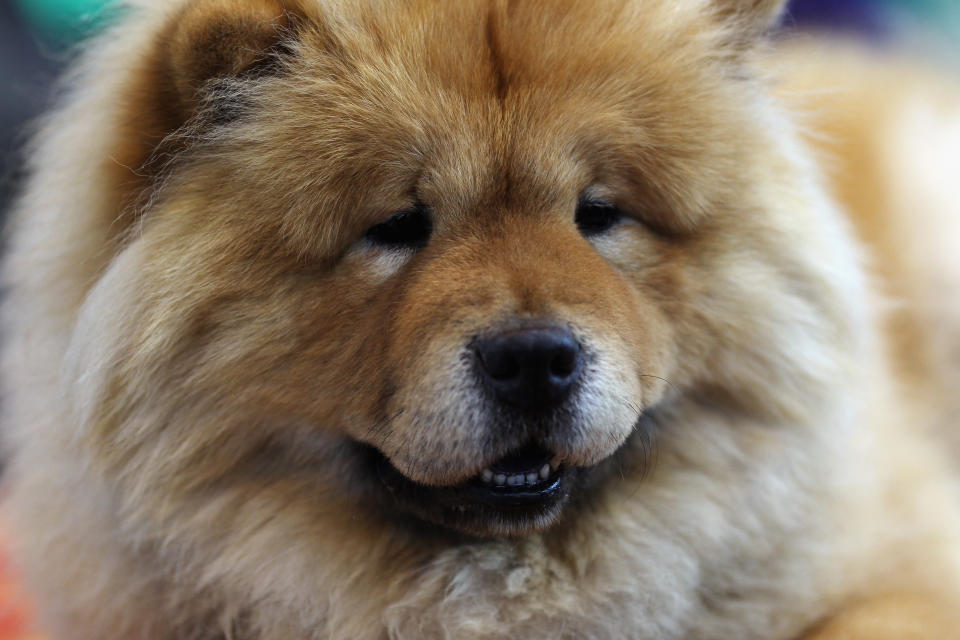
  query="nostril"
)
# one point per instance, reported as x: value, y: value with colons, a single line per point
x: 564, y: 362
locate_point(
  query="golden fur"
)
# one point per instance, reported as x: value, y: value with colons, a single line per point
x: 197, y: 334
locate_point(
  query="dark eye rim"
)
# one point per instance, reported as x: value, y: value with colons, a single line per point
x: 595, y: 216
x: 409, y: 228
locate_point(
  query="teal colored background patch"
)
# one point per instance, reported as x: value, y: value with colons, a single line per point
x: 61, y: 23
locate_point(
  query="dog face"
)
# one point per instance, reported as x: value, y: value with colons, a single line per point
x: 446, y: 259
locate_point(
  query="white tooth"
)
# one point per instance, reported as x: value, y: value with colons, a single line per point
x: 532, y: 478
x: 500, y: 479
x: 487, y: 475
x: 515, y: 480
x: 545, y: 471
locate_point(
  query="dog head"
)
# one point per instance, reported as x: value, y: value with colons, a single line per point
x: 448, y: 257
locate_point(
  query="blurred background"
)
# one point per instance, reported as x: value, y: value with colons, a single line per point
x: 37, y: 37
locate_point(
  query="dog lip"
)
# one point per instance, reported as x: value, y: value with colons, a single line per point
x: 518, y: 496
x: 480, y: 508
x: 527, y: 459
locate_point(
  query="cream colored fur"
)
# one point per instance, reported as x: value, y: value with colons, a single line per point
x: 795, y: 473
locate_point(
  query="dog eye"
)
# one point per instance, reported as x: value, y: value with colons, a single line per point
x: 407, y: 229
x: 596, y: 216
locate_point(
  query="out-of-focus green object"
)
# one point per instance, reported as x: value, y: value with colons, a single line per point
x: 62, y: 23
x: 929, y: 7
x: 939, y: 14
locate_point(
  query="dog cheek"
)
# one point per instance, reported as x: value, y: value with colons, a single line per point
x: 436, y: 407
x: 104, y: 337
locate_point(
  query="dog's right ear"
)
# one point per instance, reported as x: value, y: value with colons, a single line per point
x: 213, y: 39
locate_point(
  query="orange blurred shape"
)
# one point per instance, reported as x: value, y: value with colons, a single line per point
x: 15, y: 615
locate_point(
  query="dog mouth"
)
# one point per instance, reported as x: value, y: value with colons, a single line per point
x: 522, y: 492
x: 527, y: 490
x: 523, y: 477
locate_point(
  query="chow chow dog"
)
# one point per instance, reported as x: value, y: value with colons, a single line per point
x: 363, y: 319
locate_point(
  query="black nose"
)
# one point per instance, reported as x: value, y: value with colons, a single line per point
x: 530, y: 368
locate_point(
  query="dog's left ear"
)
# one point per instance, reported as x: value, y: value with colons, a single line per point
x: 750, y: 19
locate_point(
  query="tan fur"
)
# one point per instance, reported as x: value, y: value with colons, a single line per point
x: 196, y: 331
x: 897, y: 615
x: 886, y: 131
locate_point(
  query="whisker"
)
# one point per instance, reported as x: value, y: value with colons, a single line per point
x: 669, y: 384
